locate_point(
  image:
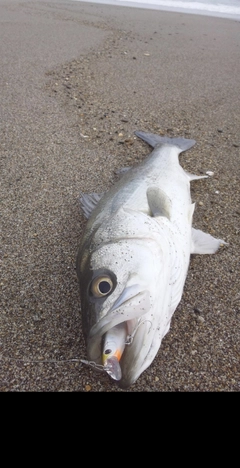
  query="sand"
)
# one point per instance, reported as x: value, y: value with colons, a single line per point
x: 77, y: 80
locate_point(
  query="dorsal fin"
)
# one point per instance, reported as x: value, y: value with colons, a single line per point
x: 159, y: 202
x: 195, y: 177
x: 89, y: 202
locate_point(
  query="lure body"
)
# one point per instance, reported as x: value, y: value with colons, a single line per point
x: 113, y: 346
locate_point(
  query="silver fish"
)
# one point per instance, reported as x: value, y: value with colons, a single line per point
x: 134, y: 255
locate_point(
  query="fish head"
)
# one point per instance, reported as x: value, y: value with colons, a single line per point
x: 120, y: 281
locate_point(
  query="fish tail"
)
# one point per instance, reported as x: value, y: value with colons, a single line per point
x: 153, y: 140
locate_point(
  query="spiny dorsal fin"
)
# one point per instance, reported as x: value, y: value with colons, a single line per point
x: 120, y: 172
x: 89, y: 202
x: 159, y: 203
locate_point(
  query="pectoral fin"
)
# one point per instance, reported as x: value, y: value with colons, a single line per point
x: 203, y: 243
x: 159, y: 203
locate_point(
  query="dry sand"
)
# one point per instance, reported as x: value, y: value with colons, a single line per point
x: 77, y: 80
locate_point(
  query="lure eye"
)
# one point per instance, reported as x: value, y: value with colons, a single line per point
x: 101, y: 286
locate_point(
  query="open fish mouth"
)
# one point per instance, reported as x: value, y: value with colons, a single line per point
x: 122, y: 322
x: 115, y: 343
x: 118, y: 366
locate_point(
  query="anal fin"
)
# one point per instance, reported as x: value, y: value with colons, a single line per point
x: 204, y: 243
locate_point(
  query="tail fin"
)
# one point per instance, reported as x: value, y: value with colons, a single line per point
x: 153, y: 140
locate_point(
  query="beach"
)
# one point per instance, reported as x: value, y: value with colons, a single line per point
x: 77, y: 79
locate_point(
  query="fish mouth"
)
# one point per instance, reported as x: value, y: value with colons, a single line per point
x: 129, y: 308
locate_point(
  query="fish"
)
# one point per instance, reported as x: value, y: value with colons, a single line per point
x: 134, y: 257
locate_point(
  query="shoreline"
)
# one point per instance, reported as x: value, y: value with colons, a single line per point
x: 76, y: 83
x: 173, y: 9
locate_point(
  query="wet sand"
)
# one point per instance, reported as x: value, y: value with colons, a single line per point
x: 77, y: 80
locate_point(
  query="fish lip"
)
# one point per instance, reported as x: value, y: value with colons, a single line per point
x: 136, y: 360
x: 124, y: 383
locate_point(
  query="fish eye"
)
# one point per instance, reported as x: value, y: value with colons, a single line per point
x: 101, y: 286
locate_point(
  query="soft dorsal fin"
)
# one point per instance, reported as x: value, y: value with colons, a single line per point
x: 120, y: 172
x: 159, y: 202
x: 195, y: 177
x: 89, y: 202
